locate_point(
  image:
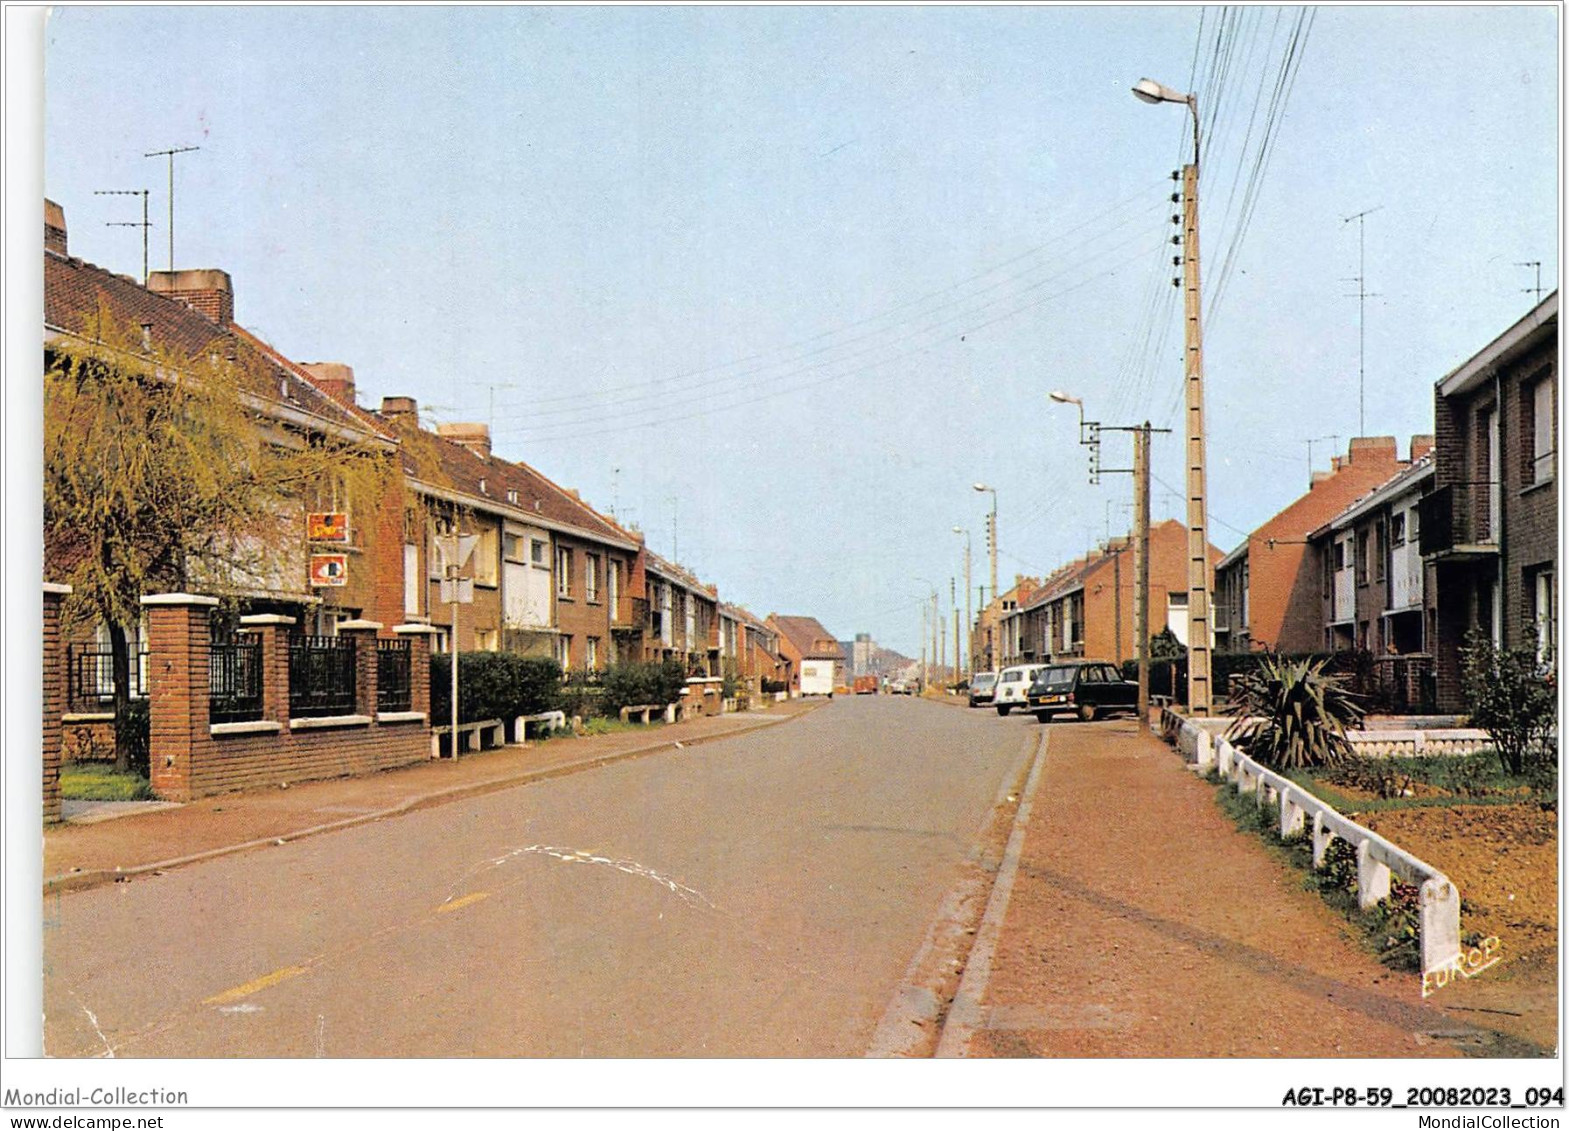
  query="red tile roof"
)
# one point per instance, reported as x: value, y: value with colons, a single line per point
x: 78, y: 294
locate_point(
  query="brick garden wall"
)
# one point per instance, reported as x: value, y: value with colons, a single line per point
x: 191, y: 758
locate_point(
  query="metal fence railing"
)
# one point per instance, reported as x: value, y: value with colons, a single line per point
x: 90, y: 678
x: 394, y: 683
x: 234, y: 681
x: 321, y: 676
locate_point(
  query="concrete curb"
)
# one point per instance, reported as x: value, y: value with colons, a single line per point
x: 914, y: 1003
x: 98, y: 877
x: 966, y: 1013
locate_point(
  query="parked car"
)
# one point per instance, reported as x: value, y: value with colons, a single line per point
x: 983, y: 688
x: 1013, y: 686
x: 866, y: 685
x: 898, y: 687
x: 1089, y: 687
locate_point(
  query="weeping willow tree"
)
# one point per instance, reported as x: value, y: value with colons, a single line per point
x: 165, y: 472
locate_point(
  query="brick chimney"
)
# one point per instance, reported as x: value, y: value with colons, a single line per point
x: 474, y: 437
x: 1420, y: 446
x: 1366, y: 450
x: 333, y: 378
x: 398, y: 408
x: 54, y: 227
x: 207, y: 291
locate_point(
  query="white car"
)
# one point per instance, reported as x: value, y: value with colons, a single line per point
x: 1013, y: 687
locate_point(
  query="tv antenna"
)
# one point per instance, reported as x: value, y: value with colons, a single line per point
x: 144, y: 225
x: 170, y: 153
x: 1536, y: 290
x: 1362, y: 295
x: 1333, y: 438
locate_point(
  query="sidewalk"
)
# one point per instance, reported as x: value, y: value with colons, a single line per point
x: 85, y: 855
x: 1142, y: 923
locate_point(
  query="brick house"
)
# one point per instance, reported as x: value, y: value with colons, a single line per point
x: 683, y: 617
x: 287, y: 679
x: 1086, y: 609
x: 1267, y: 592
x: 1489, y: 527
x: 1372, y: 590
x: 190, y: 315
x: 822, y: 662
x: 551, y: 575
x: 997, y: 644
x: 751, y: 646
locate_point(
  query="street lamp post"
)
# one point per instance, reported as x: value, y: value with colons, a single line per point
x: 969, y: 620
x: 1141, y: 534
x: 1148, y: 90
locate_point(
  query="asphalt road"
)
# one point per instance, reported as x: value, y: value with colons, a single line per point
x: 757, y: 896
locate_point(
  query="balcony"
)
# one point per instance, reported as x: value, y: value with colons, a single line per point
x: 628, y: 614
x: 1458, y: 522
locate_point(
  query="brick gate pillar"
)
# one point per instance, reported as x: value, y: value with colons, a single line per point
x: 363, y: 633
x: 179, y: 634
x: 273, y: 631
x: 54, y: 697
x: 418, y: 636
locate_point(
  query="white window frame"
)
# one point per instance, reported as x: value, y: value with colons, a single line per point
x: 1543, y: 445
x: 591, y: 577
x: 563, y: 572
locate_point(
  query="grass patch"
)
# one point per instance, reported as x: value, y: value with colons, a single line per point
x: 598, y: 726
x: 1374, y: 784
x: 102, y: 783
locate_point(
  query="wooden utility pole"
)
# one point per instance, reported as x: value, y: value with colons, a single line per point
x: 1141, y: 566
x: 970, y: 621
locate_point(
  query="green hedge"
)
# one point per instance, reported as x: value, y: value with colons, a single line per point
x: 1170, y: 677
x: 636, y: 682
x: 494, y: 685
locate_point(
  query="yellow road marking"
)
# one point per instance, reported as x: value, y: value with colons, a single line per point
x: 472, y: 897
x: 254, y: 985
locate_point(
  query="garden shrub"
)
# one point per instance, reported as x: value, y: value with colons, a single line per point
x: 1292, y: 714
x: 494, y: 685
x: 634, y: 683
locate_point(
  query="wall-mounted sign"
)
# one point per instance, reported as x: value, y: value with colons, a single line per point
x: 327, y: 526
x: 329, y: 569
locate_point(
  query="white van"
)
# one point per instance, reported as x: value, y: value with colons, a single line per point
x: 1013, y: 686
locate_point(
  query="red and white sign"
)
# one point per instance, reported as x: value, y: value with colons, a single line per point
x: 327, y: 526
x: 329, y: 569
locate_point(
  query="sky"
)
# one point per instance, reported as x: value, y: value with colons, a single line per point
x: 779, y: 285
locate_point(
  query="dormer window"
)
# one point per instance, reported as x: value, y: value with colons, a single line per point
x: 147, y: 335
x: 512, y: 497
x: 482, y: 488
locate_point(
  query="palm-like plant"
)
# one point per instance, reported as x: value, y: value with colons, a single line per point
x: 1292, y: 714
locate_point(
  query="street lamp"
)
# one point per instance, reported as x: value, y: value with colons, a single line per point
x: 991, y: 533
x: 1148, y: 90
x: 969, y: 621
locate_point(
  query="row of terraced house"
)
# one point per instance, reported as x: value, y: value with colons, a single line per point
x: 1403, y: 559
x: 549, y: 574
x: 1400, y: 559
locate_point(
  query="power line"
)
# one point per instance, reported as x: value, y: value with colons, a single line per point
x: 684, y: 376
x: 586, y: 407
x: 533, y: 433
